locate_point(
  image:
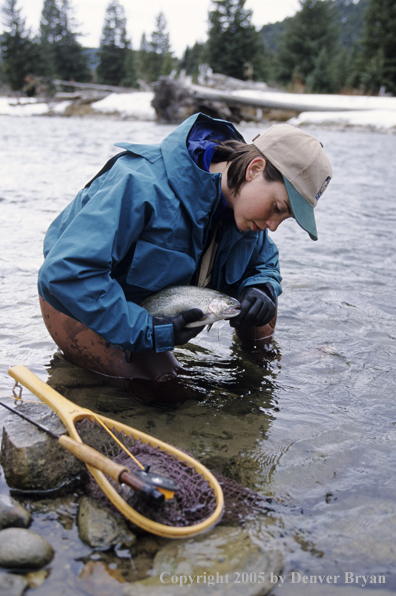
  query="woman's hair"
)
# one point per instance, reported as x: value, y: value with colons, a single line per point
x: 239, y: 155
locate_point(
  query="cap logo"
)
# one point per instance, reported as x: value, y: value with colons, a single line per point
x: 323, y: 188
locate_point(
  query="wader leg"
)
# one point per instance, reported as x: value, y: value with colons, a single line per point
x: 87, y: 349
x: 256, y: 337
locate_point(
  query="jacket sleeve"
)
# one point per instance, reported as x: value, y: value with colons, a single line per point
x: 75, y: 277
x: 264, y: 266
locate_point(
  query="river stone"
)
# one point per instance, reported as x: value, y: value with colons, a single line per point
x: 100, y: 528
x: 226, y: 554
x: 244, y: 469
x: 12, y: 585
x: 24, y: 549
x: 33, y: 460
x: 13, y: 514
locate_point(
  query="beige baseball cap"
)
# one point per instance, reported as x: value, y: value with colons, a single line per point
x: 305, y: 168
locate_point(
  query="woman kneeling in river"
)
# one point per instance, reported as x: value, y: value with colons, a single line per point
x: 194, y: 209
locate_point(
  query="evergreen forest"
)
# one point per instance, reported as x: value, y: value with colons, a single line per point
x: 328, y: 46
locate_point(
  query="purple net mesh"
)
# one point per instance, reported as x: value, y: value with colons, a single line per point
x: 195, y: 500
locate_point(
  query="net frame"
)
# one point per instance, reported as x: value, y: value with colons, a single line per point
x: 70, y: 413
x: 193, y: 502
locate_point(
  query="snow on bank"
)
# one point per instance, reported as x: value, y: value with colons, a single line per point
x: 307, y: 102
x: 138, y: 106
x: 25, y: 106
x: 126, y: 105
x: 379, y: 120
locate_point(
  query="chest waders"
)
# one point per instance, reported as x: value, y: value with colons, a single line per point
x: 151, y: 376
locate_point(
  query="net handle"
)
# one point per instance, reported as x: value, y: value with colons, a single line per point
x: 69, y: 412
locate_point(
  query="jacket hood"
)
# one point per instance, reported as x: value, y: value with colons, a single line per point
x: 193, y: 186
x: 187, y: 180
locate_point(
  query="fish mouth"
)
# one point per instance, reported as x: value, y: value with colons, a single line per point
x: 232, y: 311
x: 212, y: 317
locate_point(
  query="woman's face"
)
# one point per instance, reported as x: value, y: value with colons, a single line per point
x: 259, y: 204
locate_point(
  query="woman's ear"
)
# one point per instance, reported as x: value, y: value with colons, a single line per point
x: 255, y: 168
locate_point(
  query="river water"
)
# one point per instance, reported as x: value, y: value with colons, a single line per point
x: 312, y: 423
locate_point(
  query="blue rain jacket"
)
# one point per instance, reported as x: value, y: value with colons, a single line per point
x: 140, y: 227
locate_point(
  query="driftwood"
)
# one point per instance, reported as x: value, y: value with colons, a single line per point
x: 225, y: 97
x: 173, y: 102
x: 91, y: 87
x: 176, y: 99
x: 84, y: 93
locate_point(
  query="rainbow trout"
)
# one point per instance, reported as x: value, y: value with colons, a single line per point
x: 174, y: 299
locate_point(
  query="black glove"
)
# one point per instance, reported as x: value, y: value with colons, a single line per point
x: 257, y: 307
x: 181, y: 334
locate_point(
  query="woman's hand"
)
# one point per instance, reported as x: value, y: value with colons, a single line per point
x: 257, y: 308
x: 181, y: 334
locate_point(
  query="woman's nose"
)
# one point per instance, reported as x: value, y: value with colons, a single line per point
x: 272, y: 225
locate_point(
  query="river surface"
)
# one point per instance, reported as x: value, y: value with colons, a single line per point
x: 313, y: 422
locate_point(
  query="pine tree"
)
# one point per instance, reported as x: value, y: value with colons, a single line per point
x: 160, y: 37
x: 70, y: 58
x: 116, y: 62
x: 320, y: 80
x: 340, y: 69
x: 192, y: 58
x: 130, y: 77
x: 63, y: 55
x: 49, y: 36
x: 19, y: 53
x: 356, y: 68
x: 379, y: 46
x: 158, y: 47
x: 309, y: 38
x: 234, y: 47
x: 155, y: 56
x: 144, y: 59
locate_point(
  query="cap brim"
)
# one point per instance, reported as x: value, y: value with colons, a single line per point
x: 302, y: 210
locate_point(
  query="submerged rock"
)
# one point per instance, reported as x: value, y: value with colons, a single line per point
x: 100, y: 579
x: 24, y: 549
x: 243, y: 469
x: 99, y: 528
x: 223, y: 561
x: 31, y: 459
x: 12, y: 585
x: 12, y: 514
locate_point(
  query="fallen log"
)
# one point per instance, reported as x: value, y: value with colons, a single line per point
x: 176, y: 100
x: 220, y: 97
x: 92, y: 86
